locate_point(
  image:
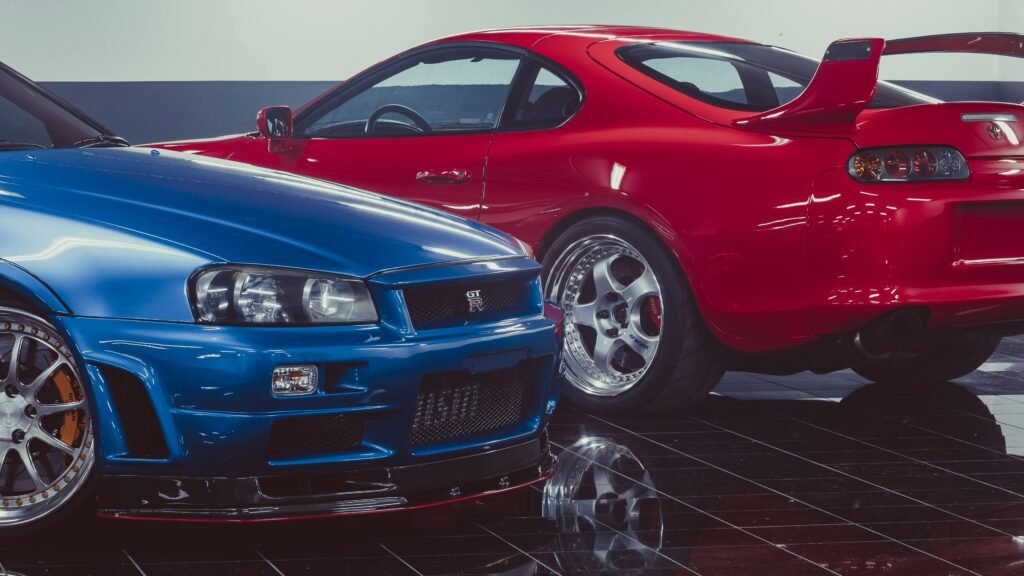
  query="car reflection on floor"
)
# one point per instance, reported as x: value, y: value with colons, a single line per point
x: 725, y: 507
x: 799, y: 475
x: 604, y: 501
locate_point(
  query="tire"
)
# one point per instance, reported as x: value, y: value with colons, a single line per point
x: 644, y: 348
x: 946, y: 357
x: 45, y: 421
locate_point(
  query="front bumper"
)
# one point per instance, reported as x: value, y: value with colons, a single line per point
x: 215, y: 415
x: 955, y: 249
x: 187, y: 409
x: 256, y: 499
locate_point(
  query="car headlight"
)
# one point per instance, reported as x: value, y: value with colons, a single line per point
x: 264, y: 295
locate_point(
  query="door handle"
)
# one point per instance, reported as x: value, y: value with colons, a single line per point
x: 443, y: 176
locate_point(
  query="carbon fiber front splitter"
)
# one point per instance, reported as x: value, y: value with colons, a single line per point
x: 267, y: 498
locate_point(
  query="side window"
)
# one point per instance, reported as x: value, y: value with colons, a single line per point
x: 785, y: 89
x: 20, y: 126
x: 739, y: 75
x: 547, y: 101
x: 445, y: 91
x: 716, y: 78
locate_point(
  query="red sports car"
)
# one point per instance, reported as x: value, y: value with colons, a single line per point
x: 700, y: 203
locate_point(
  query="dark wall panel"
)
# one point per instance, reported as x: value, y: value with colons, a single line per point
x: 159, y: 111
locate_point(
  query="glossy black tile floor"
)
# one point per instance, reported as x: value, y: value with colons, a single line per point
x: 797, y: 475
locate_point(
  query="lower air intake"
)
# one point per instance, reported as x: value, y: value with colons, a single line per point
x: 458, y: 405
x: 305, y: 436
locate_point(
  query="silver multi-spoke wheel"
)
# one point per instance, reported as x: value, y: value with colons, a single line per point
x: 46, y: 443
x: 613, y: 313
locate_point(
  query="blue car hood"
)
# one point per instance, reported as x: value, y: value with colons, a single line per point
x: 224, y: 211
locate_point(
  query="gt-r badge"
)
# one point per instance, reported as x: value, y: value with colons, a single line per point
x: 476, y: 302
x: 995, y: 132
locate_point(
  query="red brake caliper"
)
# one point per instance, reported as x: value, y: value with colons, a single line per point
x: 653, y: 309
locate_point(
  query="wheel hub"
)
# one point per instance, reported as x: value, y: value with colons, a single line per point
x: 612, y: 314
x: 13, y: 416
x: 621, y: 313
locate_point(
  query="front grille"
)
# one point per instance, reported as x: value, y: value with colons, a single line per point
x: 466, y: 302
x: 305, y: 436
x: 458, y: 405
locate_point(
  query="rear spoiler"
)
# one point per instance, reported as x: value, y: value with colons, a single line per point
x: 996, y: 43
x: 845, y: 81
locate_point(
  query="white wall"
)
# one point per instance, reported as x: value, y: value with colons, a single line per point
x: 1011, y: 13
x: 136, y: 40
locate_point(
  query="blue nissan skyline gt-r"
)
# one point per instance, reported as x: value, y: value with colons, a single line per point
x: 187, y: 338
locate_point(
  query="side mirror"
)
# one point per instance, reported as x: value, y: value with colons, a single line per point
x: 275, y: 122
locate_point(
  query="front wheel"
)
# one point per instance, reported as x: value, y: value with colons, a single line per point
x: 946, y: 357
x: 634, y: 339
x: 47, y: 447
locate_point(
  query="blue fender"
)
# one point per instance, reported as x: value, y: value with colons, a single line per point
x: 21, y: 281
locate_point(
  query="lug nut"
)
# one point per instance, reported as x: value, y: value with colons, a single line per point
x: 612, y: 332
x: 11, y: 390
x: 604, y: 314
x: 31, y: 411
x: 18, y: 436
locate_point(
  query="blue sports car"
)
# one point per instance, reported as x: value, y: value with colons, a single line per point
x: 187, y: 338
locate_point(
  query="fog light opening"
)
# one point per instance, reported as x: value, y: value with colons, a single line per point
x: 298, y: 380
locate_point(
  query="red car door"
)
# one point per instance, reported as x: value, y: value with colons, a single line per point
x: 416, y: 128
x: 532, y: 164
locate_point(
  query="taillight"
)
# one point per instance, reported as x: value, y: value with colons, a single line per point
x: 908, y: 164
x: 897, y: 164
x: 924, y: 164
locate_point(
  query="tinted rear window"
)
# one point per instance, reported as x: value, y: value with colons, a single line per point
x: 741, y: 76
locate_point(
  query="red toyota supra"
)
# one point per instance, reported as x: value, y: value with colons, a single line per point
x: 700, y: 203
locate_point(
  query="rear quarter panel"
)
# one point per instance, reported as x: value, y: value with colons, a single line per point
x: 732, y: 205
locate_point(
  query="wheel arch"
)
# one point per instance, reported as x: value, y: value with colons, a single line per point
x: 666, y: 236
x: 20, y: 289
x: 662, y: 231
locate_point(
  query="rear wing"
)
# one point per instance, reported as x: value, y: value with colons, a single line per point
x: 845, y: 81
x: 996, y: 43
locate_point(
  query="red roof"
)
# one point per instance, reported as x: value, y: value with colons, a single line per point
x: 527, y: 36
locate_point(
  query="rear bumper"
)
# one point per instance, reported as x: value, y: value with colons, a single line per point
x: 371, y: 490
x: 954, y: 248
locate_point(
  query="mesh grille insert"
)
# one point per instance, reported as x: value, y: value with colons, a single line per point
x: 455, y: 304
x: 303, y: 436
x: 458, y: 405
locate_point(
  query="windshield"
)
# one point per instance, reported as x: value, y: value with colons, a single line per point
x: 30, y: 119
x: 742, y: 76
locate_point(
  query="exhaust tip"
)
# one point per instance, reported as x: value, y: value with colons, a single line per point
x: 906, y: 329
x: 898, y: 331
